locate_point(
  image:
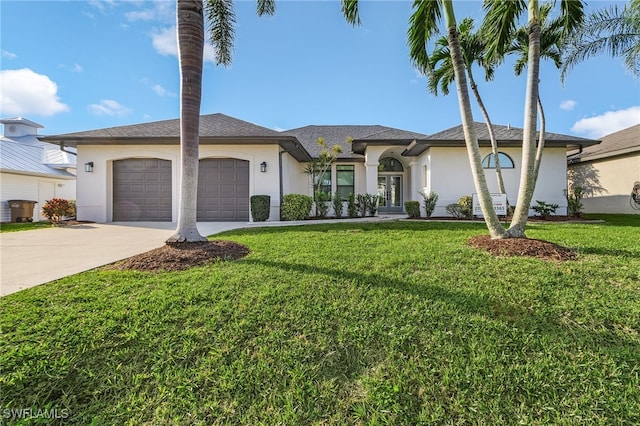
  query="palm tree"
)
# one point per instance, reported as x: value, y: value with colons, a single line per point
x: 190, y: 29
x: 612, y: 31
x: 474, y: 51
x: 552, y: 36
x: 500, y: 21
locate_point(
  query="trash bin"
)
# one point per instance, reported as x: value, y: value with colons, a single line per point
x: 21, y: 210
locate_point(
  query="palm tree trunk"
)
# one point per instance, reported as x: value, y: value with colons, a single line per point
x: 190, y: 28
x: 486, y: 203
x: 527, y: 175
x: 541, y: 140
x: 492, y: 136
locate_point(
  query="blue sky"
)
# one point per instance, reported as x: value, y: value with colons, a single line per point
x: 81, y: 65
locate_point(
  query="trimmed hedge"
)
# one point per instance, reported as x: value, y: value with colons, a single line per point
x: 295, y: 207
x: 412, y: 208
x: 260, y: 207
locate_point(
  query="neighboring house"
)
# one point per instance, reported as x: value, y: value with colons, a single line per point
x: 32, y: 170
x: 136, y: 169
x: 608, y: 172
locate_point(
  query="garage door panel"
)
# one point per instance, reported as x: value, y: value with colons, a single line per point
x: 223, y: 190
x: 142, y: 190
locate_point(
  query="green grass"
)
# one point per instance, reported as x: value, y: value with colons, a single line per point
x: 365, y: 323
x: 23, y: 226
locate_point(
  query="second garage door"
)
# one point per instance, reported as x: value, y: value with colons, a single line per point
x: 223, y: 190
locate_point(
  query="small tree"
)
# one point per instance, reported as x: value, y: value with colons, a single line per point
x: 337, y: 205
x: 56, y: 209
x: 430, y: 201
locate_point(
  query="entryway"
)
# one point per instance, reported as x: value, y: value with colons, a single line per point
x: 390, y: 193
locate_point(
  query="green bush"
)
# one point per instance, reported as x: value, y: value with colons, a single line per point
x: 412, y: 208
x: 337, y: 205
x: 544, y: 209
x: 260, y: 207
x: 455, y: 210
x: 322, y: 203
x: 352, y: 206
x: 574, y: 201
x: 56, y: 209
x: 430, y: 201
x: 295, y: 207
x: 466, y: 205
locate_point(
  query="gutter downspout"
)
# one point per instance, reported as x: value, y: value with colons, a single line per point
x: 64, y: 150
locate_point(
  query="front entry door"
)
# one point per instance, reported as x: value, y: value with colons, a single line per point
x: 390, y: 193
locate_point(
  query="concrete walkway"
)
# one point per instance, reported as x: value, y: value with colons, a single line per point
x: 31, y: 258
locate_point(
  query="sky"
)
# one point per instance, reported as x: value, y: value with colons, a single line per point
x: 83, y: 65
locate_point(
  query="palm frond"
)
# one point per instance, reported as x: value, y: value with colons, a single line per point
x: 221, y: 18
x: 500, y: 23
x: 423, y: 25
x: 351, y: 12
x: 266, y: 7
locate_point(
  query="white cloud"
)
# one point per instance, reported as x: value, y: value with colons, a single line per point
x: 607, y: 123
x: 8, y: 55
x: 109, y: 107
x: 25, y: 92
x: 164, y: 11
x: 165, y: 41
x: 77, y: 68
x: 568, y: 105
x: 161, y: 91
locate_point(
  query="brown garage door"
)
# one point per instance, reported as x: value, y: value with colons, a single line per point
x: 142, y: 190
x: 223, y: 190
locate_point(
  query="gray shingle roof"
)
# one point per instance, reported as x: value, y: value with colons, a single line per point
x: 618, y: 143
x: 212, y: 125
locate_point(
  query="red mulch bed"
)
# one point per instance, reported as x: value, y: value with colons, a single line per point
x: 523, y: 247
x: 182, y: 256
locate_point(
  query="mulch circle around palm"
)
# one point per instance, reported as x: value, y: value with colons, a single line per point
x: 182, y: 256
x: 523, y: 247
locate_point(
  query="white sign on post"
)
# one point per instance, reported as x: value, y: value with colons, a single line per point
x: 499, y: 204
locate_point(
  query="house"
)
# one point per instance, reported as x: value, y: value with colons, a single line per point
x: 32, y: 170
x: 608, y: 172
x: 132, y: 172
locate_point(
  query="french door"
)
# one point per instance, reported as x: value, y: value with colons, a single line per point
x: 390, y: 193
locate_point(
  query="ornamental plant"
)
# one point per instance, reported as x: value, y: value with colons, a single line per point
x: 430, y: 200
x: 56, y: 209
x: 295, y: 207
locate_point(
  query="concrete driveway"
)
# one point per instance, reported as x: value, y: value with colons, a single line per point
x: 30, y: 258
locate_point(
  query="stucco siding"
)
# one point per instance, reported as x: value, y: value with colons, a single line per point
x: 615, y: 176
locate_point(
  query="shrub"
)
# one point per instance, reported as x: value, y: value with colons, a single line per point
x: 544, y: 209
x: 337, y: 205
x: 430, y: 200
x: 352, y: 206
x: 295, y: 207
x: 466, y: 205
x: 322, y: 203
x: 260, y: 207
x: 372, y: 203
x: 412, y: 208
x: 361, y: 203
x: 574, y: 201
x: 455, y: 210
x: 56, y: 209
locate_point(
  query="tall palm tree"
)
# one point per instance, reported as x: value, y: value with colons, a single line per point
x: 614, y: 31
x: 500, y: 21
x: 440, y: 74
x: 552, y: 36
x: 190, y: 28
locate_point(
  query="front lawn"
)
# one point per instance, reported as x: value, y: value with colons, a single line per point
x: 352, y: 323
x: 23, y: 226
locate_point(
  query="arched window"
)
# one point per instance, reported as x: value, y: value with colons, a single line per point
x: 389, y: 164
x: 489, y: 161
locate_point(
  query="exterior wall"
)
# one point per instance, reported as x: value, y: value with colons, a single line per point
x: 33, y: 188
x: 95, y: 190
x: 616, y: 177
x: 449, y: 176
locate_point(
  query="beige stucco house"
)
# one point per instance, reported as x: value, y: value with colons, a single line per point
x: 131, y: 173
x: 32, y: 170
x: 608, y: 172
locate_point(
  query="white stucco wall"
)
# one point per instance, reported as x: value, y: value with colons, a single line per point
x: 616, y: 176
x: 33, y: 188
x: 95, y: 190
x: 449, y: 176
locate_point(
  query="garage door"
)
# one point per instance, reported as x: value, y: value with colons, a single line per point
x: 223, y: 190
x: 142, y: 190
